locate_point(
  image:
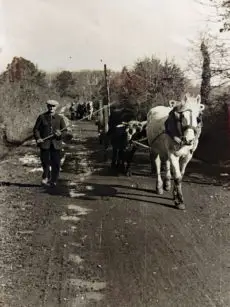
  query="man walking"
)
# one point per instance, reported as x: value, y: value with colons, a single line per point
x: 50, y: 124
x: 72, y: 111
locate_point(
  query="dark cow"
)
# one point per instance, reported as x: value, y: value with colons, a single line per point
x: 100, y: 129
x: 119, y: 116
x: 138, y: 135
x: 123, y: 128
x: 81, y: 110
x: 121, y: 140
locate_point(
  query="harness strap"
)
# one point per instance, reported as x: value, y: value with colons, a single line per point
x: 171, y: 127
x: 157, y: 137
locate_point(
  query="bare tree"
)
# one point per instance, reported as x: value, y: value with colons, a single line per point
x: 219, y: 57
x: 217, y: 16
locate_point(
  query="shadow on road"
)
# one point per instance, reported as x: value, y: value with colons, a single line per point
x: 20, y: 185
x: 92, y: 191
x: 197, y: 172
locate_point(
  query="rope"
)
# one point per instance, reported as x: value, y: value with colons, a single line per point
x: 142, y: 140
x: 52, y: 135
x: 140, y: 144
x: 107, y: 106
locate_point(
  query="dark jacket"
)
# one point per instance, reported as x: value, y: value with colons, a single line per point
x: 47, y: 125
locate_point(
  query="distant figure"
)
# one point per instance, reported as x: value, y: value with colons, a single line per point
x: 81, y: 110
x: 50, y: 124
x: 89, y: 109
x: 72, y: 110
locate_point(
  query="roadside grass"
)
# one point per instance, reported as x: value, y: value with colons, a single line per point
x: 21, y: 103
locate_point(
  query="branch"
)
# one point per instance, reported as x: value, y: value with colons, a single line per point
x: 220, y: 85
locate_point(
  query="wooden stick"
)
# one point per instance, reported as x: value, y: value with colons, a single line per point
x: 142, y: 145
x: 51, y: 135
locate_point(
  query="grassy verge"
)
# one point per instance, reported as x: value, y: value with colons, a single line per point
x: 21, y: 104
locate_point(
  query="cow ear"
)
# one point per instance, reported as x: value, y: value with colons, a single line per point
x: 202, y: 107
x: 198, y: 99
x: 172, y: 103
x: 186, y: 97
x: 176, y: 114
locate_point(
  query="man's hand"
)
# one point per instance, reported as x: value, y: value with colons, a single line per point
x: 57, y: 133
x: 39, y: 141
x: 178, y: 140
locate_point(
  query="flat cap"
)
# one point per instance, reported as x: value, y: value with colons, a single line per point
x: 52, y: 103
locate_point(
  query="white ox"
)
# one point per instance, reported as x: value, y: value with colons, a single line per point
x: 89, y: 109
x: 173, y: 134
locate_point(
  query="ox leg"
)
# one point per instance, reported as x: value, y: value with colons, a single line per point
x: 177, y: 191
x: 114, y: 158
x: 167, y: 181
x: 184, y: 163
x: 159, y: 183
x: 121, y: 160
x: 151, y: 157
x: 130, y: 156
x: 106, y: 142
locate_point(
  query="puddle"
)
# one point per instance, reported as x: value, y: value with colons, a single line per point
x: 80, y: 210
x: 70, y: 218
x: 96, y: 285
x: 89, y: 188
x: 63, y: 160
x: 75, y: 258
x: 76, y: 162
x: 36, y: 169
x: 75, y: 244
x: 73, y: 228
x: 83, y: 298
x: 29, y: 160
x: 72, y: 184
x: 74, y: 193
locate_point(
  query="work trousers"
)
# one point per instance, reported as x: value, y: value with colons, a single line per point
x: 50, y: 158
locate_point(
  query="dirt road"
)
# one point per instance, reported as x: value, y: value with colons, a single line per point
x: 105, y: 240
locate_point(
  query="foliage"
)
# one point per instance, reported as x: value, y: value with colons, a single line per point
x: 23, y: 93
x: 147, y: 84
x: 217, y: 16
x: 22, y: 70
x: 81, y: 85
x: 21, y: 103
x: 63, y: 83
x: 206, y: 74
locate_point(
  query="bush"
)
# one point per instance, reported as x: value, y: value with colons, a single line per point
x: 214, y: 141
x: 149, y: 83
x: 23, y: 92
x: 21, y: 103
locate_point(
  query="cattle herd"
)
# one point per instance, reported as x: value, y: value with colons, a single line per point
x: 170, y: 133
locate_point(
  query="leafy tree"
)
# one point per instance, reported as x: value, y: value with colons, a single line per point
x: 147, y: 84
x: 206, y: 74
x: 22, y: 70
x: 63, y: 82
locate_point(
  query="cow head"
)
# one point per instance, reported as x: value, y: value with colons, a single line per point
x: 187, y: 114
x: 134, y: 129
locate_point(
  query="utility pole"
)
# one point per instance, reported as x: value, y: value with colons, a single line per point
x: 106, y: 101
x: 101, y: 113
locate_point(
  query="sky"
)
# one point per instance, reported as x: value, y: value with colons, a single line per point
x: 84, y: 34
